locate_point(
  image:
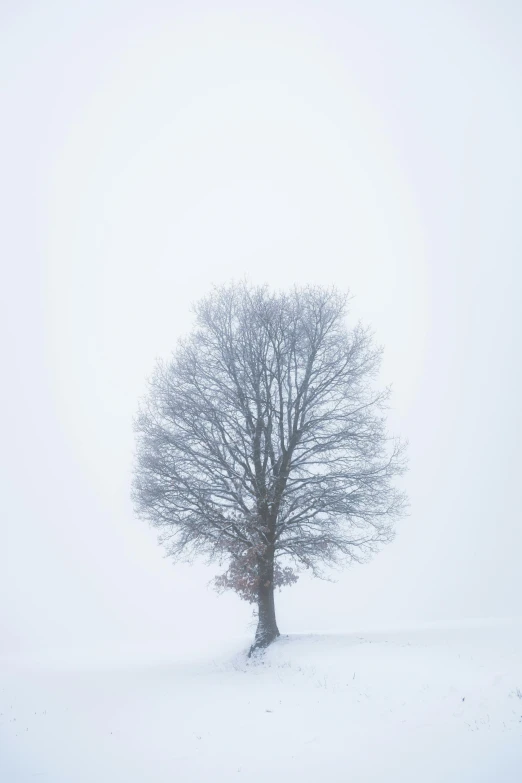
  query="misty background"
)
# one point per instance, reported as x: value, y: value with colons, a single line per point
x: 149, y: 150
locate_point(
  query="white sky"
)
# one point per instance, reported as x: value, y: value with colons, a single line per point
x: 149, y: 149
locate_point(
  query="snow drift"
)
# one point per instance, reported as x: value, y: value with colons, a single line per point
x: 426, y: 705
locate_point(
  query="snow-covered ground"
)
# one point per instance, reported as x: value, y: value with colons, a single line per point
x: 427, y: 705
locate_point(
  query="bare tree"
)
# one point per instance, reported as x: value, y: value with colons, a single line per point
x: 262, y: 443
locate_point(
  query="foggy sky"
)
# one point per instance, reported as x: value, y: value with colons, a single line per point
x: 152, y: 149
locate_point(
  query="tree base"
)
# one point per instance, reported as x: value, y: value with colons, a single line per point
x: 264, y: 637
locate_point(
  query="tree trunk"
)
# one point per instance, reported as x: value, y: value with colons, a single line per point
x: 267, y: 629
